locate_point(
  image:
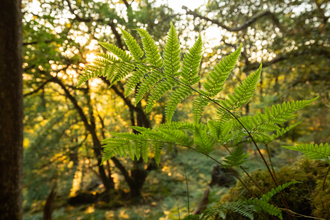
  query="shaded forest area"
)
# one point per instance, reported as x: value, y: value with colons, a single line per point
x: 63, y: 173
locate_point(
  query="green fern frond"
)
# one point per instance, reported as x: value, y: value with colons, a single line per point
x: 261, y: 205
x: 132, y: 45
x: 87, y: 75
x: 135, y: 79
x: 124, y: 70
x: 154, y: 58
x: 148, y: 83
x: 312, y: 151
x: 266, y: 197
x: 175, y: 136
x: 268, y: 122
x: 175, y: 98
x: 280, y: 132
x: 280, y: 114
x: 189, y: 77
x: 210, y: 213
x: 116, y: 51
x: 177, y: 125
x: 171, y: 67
x: 236, y: 158
x: 198, y: 107
x: 132, y: 145
x: 108, y: 57
x: 191, y: 63
x: 151, y: 49
x: 159, y: 90
x: 240, y: 207
x: 109, y: 72
x: 93, y: 71
x: 202, y: 139
x: 172, y: 53
x: 242, y: 93
x: 216, y: 79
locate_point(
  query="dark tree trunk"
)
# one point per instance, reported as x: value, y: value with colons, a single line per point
x: 48, y: 206
x: 108, y: 183
x: 11, y: 110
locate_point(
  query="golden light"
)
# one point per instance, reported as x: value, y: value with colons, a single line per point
x: 90, y: 57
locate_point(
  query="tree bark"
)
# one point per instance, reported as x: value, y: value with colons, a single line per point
x: 11, y: 111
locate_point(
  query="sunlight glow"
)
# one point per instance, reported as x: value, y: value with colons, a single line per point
x: 76, y: 183
x: 90, y: 57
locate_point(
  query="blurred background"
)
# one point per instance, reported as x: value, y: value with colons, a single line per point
x: 64, y: 125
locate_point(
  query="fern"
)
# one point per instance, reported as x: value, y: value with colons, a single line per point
x: 312, y: 151
x: 116, y: 51
x: 261, y: 205
x: 240, y: 207
x: 135, y: 78
x: 132, y: 45
x: 215, y: 82
x: 236, y: 158
x: 151, y: 49
x: 203, y: 141
x: 243, y: 93
x: 171, y: 67
x: 248, y: 207
x: 189, y: 77
x: 150, y: 73
x: 266, y: 197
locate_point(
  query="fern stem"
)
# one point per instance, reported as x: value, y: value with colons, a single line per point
x: 255, y: 183
x: 230, y: 169
x: 325, y: 178
x: 271, y: 163
x: 185, y: 173
x: 249, y: 133
x: 242, y: 168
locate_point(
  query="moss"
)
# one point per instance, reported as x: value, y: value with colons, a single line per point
x: 321, y: 198
x: 306, y: 198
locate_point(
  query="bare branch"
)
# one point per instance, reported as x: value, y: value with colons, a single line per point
x: 40, y: 87
x: 235, y: 29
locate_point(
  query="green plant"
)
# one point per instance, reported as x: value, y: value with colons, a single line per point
x: 306, y: 198
x: 160, y: 75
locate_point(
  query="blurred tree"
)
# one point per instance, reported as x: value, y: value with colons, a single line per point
x: 59, y: 39
x: 290, y: 38
x: 11, y: 112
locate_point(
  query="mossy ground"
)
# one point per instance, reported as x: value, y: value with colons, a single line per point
x: 306, y: 198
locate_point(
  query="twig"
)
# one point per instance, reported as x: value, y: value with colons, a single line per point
x: 325, y: 178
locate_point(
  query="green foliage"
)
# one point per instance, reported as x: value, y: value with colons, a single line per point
x: 312, y: 151
x: 159, y: 75
x: 241, y: 207
x: 215, y: 82
x: 307, y: 194
x: 272, y: 192
x: 247, y: 207
x: 243, y: 92
x: 189, y: 72
x: 160, y: 80
x: 236, y: 158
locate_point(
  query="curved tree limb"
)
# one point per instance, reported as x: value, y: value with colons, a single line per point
x: 249, y: 22
x: 40, y: 87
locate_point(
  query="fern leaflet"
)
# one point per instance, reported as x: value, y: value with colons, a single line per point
x: 312, y: 151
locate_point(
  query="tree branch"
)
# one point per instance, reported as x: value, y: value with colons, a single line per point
x: 89, y: 19
x: 234, y: 29
x: 40, y: 87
